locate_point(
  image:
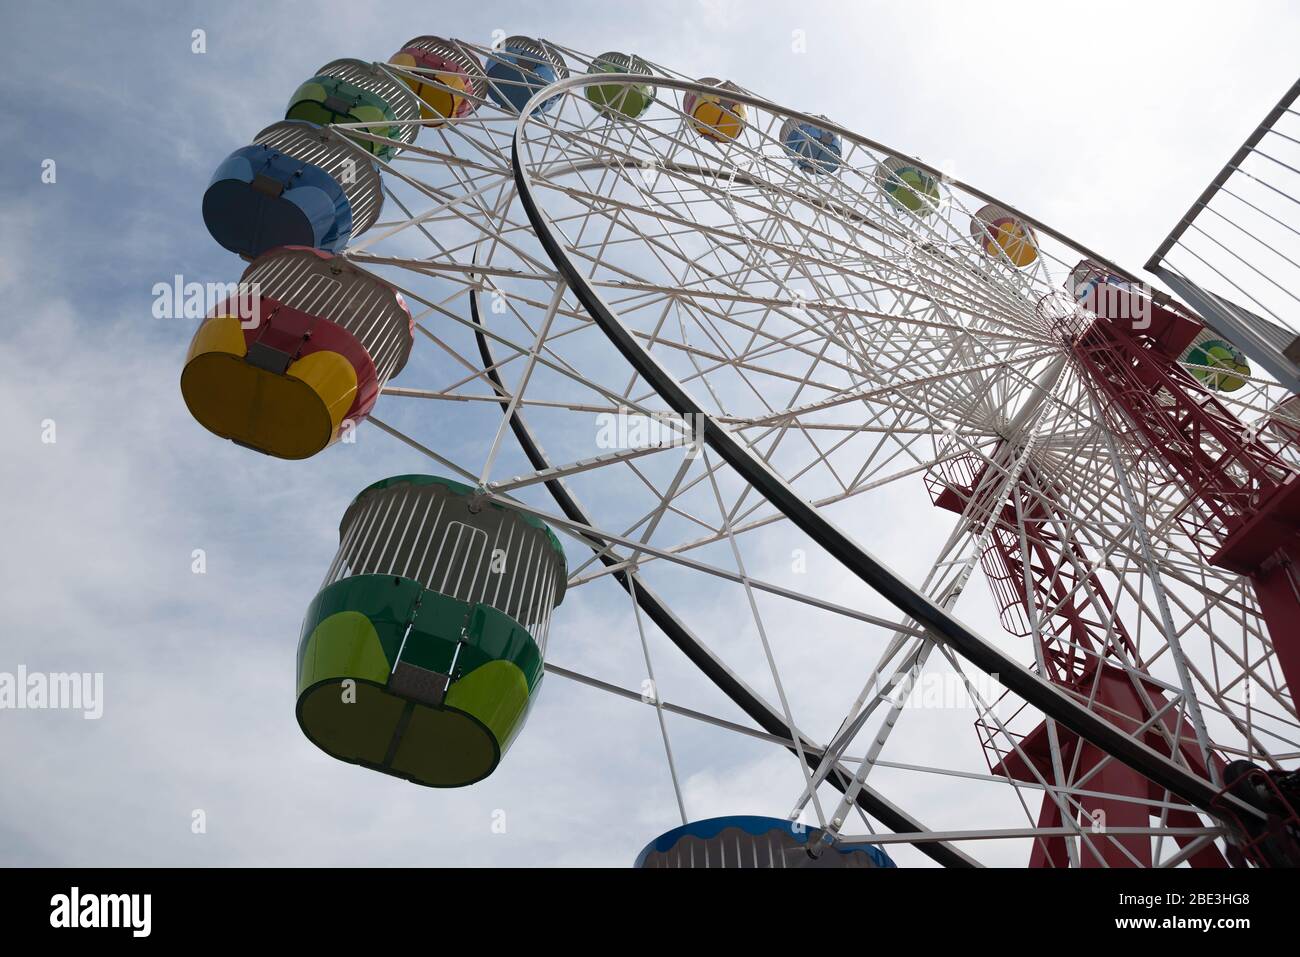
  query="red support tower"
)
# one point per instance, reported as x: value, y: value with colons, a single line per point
x: 1240, y: 503
x: 1243, y: 499
x: 1081, y: 640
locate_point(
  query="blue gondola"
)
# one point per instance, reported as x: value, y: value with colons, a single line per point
x: 520, y: 68
x: 259, y: 199
x: 751, y: 841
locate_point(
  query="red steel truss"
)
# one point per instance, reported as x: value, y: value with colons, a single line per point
x: 1242, y: 501
x: 1239, y: 502
x: 1081, y: 640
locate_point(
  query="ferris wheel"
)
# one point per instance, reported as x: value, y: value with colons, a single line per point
x: 696, y: 333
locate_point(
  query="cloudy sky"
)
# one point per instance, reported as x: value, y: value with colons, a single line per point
x: 1104, y: 119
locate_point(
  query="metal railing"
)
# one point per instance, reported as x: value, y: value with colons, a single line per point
x: 1234, y: 257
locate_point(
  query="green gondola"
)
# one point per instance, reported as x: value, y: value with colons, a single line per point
x: 423, y: 651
